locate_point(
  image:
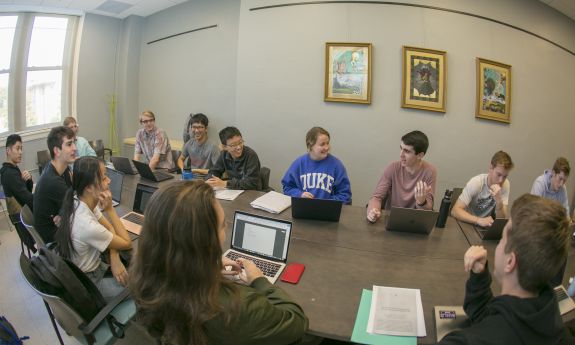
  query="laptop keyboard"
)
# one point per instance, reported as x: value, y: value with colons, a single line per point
x: 134, y: 218
x: 560, y: 294
x: 268, y: 268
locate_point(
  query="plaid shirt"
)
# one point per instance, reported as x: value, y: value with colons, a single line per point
x: 154, y: 142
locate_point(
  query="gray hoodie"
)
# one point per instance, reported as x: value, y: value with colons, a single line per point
x: 542, y: 188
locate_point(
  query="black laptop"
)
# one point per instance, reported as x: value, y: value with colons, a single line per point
x: 411, y: 220
x: 133, y: 220
x: 116, y: 182
x: 492, y: 233
x: 317, y: 209
x: 147, y: 173
x: 124, y: 165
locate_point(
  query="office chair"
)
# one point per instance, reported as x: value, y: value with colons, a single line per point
x: 265, y: 179
x: 175, y: 156
x: 102, y: 328
x: 27, y: 219
x: 98, y: 146
x: 43, y: 158
x: 454, y: 196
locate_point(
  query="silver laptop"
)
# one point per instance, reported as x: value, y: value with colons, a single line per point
x: 565, y: 302
x: 263, y: 240
x: 492, y: 233
x: 411, y: 220
x: 116, y: 182
x: 448, y: 319
x: 133, y: 221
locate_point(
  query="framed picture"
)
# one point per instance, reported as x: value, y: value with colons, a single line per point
x: 424, y: 79
x: 493, y: 91
x: 348, y: 72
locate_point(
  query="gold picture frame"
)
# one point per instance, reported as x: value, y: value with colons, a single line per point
x: 424, y: 79
x: 493, y: 101
x: 347, y: 72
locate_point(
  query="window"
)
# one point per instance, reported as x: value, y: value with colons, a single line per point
x: 35, y: 70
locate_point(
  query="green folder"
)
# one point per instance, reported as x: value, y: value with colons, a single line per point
x: 360, y: 334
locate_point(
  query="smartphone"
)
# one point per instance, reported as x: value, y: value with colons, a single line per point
x: 292, y: 273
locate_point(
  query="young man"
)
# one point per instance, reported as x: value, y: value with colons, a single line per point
x: 486, y: 194
x: 240, y: 162
x: 83, y: 148
x: 408, y: 182
x: 551, y: 184
x: 54, y: 182
x: 533, y: 245
x: 17, y: 184
x: 202, y: 154
x: 153, y: 143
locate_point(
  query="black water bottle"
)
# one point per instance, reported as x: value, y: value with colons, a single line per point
x: 444, y: 209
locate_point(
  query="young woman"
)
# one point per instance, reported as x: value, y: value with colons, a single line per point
x: 317, y: 174
x: 85, y: 233
x: 177, y: 278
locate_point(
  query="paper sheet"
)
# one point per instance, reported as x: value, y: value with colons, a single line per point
x: 396, y: 311
x: 228, y: 194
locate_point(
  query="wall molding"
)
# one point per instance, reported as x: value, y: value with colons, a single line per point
x: 184, y: 33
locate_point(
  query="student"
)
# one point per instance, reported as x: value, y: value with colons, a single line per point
x: 54, y: 182
x: 317, y: 174
x: 486, y: 195
x: 177, y: 278
x: 533, y: 245
x: 240, y: 162
x: 82, y: 146
x: 408, y: 182
x: 153, y: 143
x: 551, y: 184
x: 85, y: 233
x: 201, y: 153
x: 16, y: 184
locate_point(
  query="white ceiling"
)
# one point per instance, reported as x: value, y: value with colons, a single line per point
x: 567, y: 7
x: 112, y: 8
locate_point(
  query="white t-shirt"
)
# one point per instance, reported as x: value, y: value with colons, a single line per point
x: 477, y: 196
x: 89, y: 237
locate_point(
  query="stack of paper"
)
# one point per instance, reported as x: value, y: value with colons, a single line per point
x: 228, y: 194
x: 272, y: 202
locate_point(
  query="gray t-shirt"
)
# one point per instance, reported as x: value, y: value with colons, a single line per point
x: 202, y: 156
x: 477, y: 196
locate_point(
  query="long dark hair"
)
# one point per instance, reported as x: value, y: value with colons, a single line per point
x: 176, y: 277
x: 86, y: 173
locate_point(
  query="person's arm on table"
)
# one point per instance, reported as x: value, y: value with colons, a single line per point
x: 380, y: 195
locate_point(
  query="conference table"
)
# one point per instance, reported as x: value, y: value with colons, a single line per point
x: 343, y: 258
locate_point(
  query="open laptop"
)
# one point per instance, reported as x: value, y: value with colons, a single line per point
x: 147, y: 173
x: 318, y: 209
x: 263, y: 240
x: 565, y: 302
x: 133, y: 221
x: 116, y: 182
x: 492, y: 233
x: 411, y: 220
x: 448, y: 319
x: 124, y: 165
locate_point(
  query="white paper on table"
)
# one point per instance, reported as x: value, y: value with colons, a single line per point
x: 396, y: 311
x: 272, y: 202
x: 228, y: 194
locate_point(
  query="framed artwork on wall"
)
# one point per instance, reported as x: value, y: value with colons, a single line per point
x: 424, y: 79
x: 348, y: 72
x: 493, y: 91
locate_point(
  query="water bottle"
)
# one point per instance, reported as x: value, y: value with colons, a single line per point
x: 444, y: 209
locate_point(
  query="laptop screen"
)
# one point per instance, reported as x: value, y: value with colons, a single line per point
x: 261, y: 235
x: 116, y: 181
x: 143, y: 195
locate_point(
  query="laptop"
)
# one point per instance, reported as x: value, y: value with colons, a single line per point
x: 492, y: 233
x: 411, y: 220
x: 133, y: 221
x: 565, y: 302
x: 448, y: 319
x: 317, y: 209
x: 147, y: 173
x: 263, y: 240
x: 123, y: 164
x: 116, y: 182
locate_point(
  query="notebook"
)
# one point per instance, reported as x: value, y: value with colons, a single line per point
x: 124, y: 165
x: 492, y: 233
x: 147, y: 173
x: 272, y: 202
x: 116, y: 182
x: 263, y: 240
x: 318, y: 209
x: 411, y: 220
x: 133, y: 221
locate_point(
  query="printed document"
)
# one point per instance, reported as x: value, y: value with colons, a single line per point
x: 228, y: 194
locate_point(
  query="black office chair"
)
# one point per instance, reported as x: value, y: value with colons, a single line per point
x: 265, y: 179
x: 43, y: 157
x: 175, y: 156
x: 98, y: 146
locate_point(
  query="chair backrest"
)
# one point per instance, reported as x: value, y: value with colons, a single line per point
x: 27, y: 219
x: 454, y: 196
x: 265, y: 179
x: 43, y: 158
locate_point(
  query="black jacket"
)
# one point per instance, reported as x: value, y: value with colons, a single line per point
x: 243, y: 173
x: 507, y: 320
x: 15, y: 186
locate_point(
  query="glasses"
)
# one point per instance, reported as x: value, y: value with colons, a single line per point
x: 144, y: 122
x: 236, y: 145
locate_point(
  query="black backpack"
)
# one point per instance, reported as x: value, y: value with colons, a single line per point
x: 8, y: 335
